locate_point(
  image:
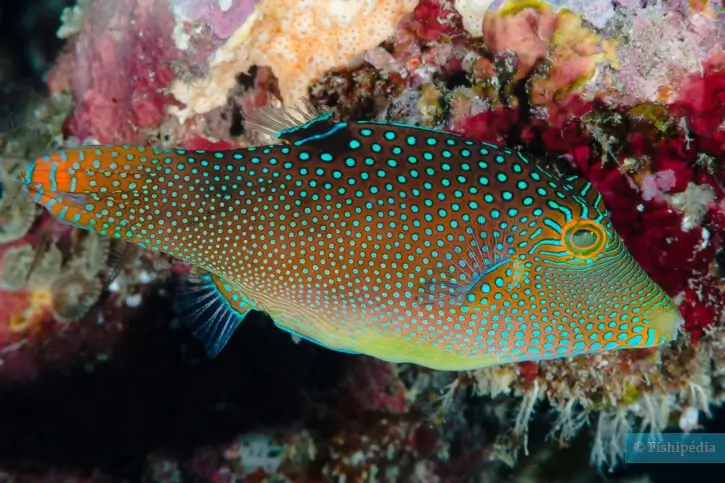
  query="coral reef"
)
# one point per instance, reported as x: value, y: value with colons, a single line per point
x: 625, y: 95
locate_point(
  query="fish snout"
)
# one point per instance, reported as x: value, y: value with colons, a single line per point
x: 664, y: 324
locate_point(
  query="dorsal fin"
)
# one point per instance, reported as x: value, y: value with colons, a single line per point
x: 212, y: 309
x: 297, y: 124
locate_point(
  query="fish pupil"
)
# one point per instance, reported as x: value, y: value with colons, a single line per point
x: 584, y: 238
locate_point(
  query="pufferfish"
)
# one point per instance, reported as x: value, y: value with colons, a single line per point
x: 400, y: 242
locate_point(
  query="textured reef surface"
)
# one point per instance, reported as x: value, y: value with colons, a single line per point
x: 98, y: 384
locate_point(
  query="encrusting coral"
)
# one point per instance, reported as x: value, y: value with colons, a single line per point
x: 298, y: 40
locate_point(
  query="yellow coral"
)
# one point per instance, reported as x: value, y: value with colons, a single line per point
x: 575, y: 52
x: 704, y: 7
x: 534, y: 30
x: 523, y: 27
x: 299, y: 40
x: 39, y: 303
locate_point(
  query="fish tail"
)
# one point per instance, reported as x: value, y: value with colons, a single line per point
x: 92, y: 187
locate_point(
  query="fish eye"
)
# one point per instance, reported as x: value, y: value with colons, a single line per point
x: 584, y: 238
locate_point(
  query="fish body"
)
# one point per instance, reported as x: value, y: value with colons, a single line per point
x: 403, y: 243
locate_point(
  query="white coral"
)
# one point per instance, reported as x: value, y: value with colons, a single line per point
x: 299, y: 40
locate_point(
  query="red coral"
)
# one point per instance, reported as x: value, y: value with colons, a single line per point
x: 669, y: 255
x: 373, y: 385
x: 528, y: 371
x: 202, y: 143
x: 435, y: 19
x: 702, y: 99
x: 701, y: 307
x: 424, y: 439
x: 673, y: 154
x: 569, y: 139
x: 492, y: 126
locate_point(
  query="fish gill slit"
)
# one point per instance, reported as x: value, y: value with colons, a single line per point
x: 470, y: 266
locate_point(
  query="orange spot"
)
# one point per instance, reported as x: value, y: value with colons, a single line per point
x: 665, y: 93
x: 703, y: 7
x: 413, y: 64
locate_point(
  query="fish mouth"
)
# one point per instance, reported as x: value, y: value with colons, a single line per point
x: 665, y: 322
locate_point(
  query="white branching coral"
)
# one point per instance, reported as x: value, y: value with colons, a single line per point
x: 615, y: 393
x: 693, y: 202
x: 611, y: 428
x: 299, y: 40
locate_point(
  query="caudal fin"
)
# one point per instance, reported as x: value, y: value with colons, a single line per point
x: 94, y: 187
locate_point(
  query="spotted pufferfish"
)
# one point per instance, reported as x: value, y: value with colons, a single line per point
x: 400, y: 242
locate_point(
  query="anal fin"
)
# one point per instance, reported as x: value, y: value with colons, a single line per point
x: 298, y: 336
x: 212, y: 309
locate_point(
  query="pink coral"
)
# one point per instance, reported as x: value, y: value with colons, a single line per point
x: 373, y: 385
x: 524, y: 28
x: 119, y: 69
x: 224, y: 17
x: 664, y: 45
